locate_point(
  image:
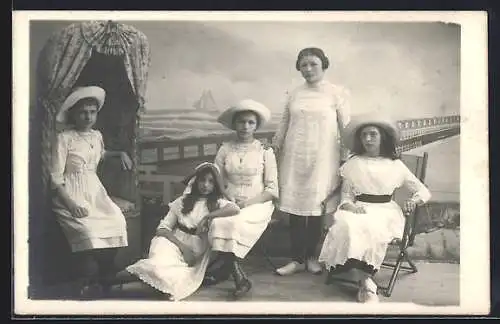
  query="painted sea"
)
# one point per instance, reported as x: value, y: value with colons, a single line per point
x: 178, y: 124
x: 187, y: 123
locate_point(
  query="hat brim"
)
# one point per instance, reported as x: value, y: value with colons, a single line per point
x: 226, y: 118
x: 85, y: 92
x: 357, y: 123
x: 215, y: 170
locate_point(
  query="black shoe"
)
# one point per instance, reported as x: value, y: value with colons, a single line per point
x: 242, y: 283
x: 91, y: 291
x: 242, y: 289
x: 107, y: 283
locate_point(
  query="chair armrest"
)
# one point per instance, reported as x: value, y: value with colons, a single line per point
x: 409, y: 228
x: 124, y: 205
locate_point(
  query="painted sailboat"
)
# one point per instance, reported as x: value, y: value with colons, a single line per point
x: 206, y: 102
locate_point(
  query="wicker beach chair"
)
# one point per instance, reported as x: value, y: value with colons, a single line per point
x: 103, y: 53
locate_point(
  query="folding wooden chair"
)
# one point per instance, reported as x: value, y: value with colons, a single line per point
x: 418, y: 165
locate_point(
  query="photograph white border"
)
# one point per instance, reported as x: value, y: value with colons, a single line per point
x: 474, y: 175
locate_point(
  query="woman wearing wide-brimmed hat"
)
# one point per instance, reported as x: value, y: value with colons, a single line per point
x: 367, y: 218
x: 249, y: 171
x: 310, y: 151
x: 92, y: 223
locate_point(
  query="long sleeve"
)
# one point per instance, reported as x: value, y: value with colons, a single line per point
x: 346, y: 192
x: 270, y: 173
x: 170, y: 220
x: 279, y: 136
x: 220, y: 161
x: 101, y: 143
x: 419, y: 191
x: 59, y: 155
x: 343, y: 119
x: 344, y: 107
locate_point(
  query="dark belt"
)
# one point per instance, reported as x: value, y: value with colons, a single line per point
x: 376, y: 199
x: 191, y: 231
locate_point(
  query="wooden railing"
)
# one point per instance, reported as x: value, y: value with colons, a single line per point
x: 414, y: 133
x: 153, y: 152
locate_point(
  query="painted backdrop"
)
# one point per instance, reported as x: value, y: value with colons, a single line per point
x: 198, y: 68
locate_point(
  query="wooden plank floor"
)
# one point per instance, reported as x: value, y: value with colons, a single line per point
x: 436, y: 284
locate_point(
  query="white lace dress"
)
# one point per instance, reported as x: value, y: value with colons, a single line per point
x: 310, y: 147
x: 247, y: 170
x: 74, y: 162
x: 165, y: 268
x: 366, y: 236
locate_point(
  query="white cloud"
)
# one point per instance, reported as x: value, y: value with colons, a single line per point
x: 409, y: 70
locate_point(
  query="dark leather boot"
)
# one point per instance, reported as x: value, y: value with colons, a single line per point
x: 219, y: 270
x: 242, y: 283
x: 89, y: 289
x: 108, y: 282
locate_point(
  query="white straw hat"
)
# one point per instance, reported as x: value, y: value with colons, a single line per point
x: 376, y: 119
x: 226, y: 118
x: 80, y: 93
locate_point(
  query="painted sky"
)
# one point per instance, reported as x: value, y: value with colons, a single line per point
x: 407, y: 69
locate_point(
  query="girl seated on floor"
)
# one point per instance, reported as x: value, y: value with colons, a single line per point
x: 179, y: 252
x: 367, y: 219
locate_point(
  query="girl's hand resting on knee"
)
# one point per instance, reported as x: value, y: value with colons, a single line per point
x: 242, y: 203
x: 353, y: 208
x: 78, y: 211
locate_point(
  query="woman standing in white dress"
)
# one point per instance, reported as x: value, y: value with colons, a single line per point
x: 310, y: 151
x: 250, y: 175
x: 367, y: 219
x: 92, y: 223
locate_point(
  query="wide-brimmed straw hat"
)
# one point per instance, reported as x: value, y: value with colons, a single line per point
x: 226, y: 118
x: 80, y: 93
x: 375, y: 119
x: 189, y: 180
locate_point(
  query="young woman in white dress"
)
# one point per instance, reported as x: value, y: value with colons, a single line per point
x: 310, y: 151
x: 367, y: 219
x: 92, y: 223
x: 179, y: 252
x: 249, y: 172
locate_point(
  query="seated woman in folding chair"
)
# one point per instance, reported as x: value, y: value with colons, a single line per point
x: 367, y: 219
x: 249, y: 170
